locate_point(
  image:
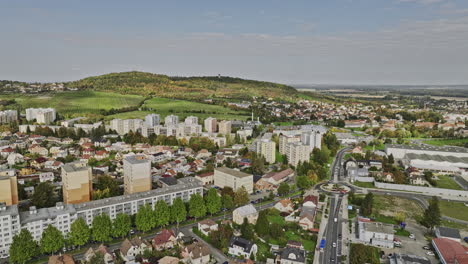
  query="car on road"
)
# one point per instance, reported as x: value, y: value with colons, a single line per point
x: 430, y: 253
x: 334, y: 244
x: 426, y: 247
x: 412, y: 236
x: 339, y: 236
x: 335, y: 220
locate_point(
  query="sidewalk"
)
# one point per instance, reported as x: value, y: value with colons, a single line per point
x: 345, y: 230
x: 323, y: 224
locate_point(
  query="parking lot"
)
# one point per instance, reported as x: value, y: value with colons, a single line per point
x: 413, y: 246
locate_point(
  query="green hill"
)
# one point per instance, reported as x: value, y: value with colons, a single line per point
x: 149, y: 84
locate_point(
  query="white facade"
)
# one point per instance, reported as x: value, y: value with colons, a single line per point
x: 210, y: 124
x: 124, y: 126
x: 226, y: 177
x: 313, y: 139
x: 171, y: 120
x: 152, y: 120
x: 137, y: 173
x: 42, y: 115
x: 8, y: 116
x: 297, y: 152
x: 285, y: 140
x: 376, y: 234
x: 191, y: 120
x: 225, y: 127
x: 267, y: 148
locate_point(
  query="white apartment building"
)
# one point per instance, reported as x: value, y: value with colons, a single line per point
x: 32, y: 113
x: 152, y: 120
x: 267, y: 148
x: 210, y: 124
x: 191, y: 120
x: 313, y: 139
x: 284, y: 140
x: 8, y: 116
x: 62, y: 216
x: 188, y: 130
x: 171, y: 120
x: 376, y: 234
x: 124, y: 126
x: 297, y: 152
x: 137, y: 174
x: 225, y: 127
x: 226, y: 177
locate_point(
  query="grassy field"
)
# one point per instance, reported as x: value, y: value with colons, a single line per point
x: 364, y: 184
x: 451, y: 142
x: 276, y: 219
x: 390, y: 205
x: 447, y: 182
x: 77, y: 103
x: 164, y: 107
x: 454, y: 209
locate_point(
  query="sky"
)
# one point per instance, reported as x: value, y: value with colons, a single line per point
x: 287, y: 41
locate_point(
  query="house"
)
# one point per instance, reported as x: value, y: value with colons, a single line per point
x: 196, y: 253
x: 103, y: 250
x: 276, y: 178
x: 388, y: 177
x: 63, y: 259
x: 264, y: 185
x: 310, y: 201
x: 447, y: 232
x: 307, y: 216
x: 130, y: 248
x: 14, y: 158
x: 168, y: 260
x: 284, y: 206
x: 357, y: 150
x: 36, y: 149
x: 417, y: 179
x: 206, y: 226
x: 293, y: 255
x: 239, y: 246
x: 164, y: 240
x: 450, y: 251
x: 247, y: 211
x: 101, y: 154
x: 207, y: 178
x: 203, y: 153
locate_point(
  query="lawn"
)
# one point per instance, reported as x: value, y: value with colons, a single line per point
x: 447, y: 182
x: 451, y: 142
x: 390, y: 205
x: 182, y: 108
x: 279, y: 157
x: 78, y: 102
x: 276, y: 219
x: 456, y: 210
x: 364, y: 184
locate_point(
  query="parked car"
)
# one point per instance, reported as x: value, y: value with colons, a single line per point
x: 334, y: 244
x: 412, y: 236
x: 426, y: 248
x: 466, y: 239
x: 430, y: 253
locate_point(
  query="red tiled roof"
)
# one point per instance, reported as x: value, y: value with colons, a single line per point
x: 163, y: 237
x: 311, y: 198
x: 451, y: 251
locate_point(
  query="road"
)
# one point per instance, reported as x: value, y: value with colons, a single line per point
x: 333, y: 232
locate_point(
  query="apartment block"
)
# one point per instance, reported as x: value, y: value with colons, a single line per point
x: 191, y: 120
x: 137, y: 174
x: 171, y: 120
x: 210, y: 124
x: 313, y: 139
x: 225, y: 127
x: 41, y: 115
x: 77, y: 182
x: 152, y: 120
x: 285, y: 140
x: 8, y: 116
x: 8, y: 189
x: 267, y: 148
x: 226, y: 177
x: 124, y: 126
x: 297, y: 152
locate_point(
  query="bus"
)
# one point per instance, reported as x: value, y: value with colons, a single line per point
x: 322, y: 244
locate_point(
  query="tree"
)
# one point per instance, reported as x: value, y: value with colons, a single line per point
x: 276, y: 230
x: 105, y: 182
x: 144, y: 219
x: 241, y: 197
x: 262, y: 227
x: 431, y: 216
x: 178, y: 211
x: 162, y: 213
x: 52, y: 240
x: 213, y: 201
x: 44, y: 195
x: 400, y: 217
x: 228, y: 203
x: 366, y: 205
x: 97, y: 258
x: 197, y: 206
x: 102, y: 228
x: 23, y: 248
x: 283, y: 189
x: 121, y: 225
x: 247, y: 231
x: 79, y: 232
x: 303, y: 182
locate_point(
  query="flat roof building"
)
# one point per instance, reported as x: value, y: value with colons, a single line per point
x: 235, y: 179
x: 137, y: 174
x: 77, y: 183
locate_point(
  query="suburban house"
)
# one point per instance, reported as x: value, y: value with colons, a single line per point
x: 264, y: 185
x: 164, y: 240
x: 106, y: 253
x: 239, y: 246
x: 169, y: 260
x: 62, y: 259
x: 293, y: 255
x: 207, y: 178
x: 276, y: 178
x: 196, y: 253
x: 130, y: 248
x: 206, y: 226
x: 449, y: 233
x: 284, y: 206
x: 307, y: 216
x: 247, y: 211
